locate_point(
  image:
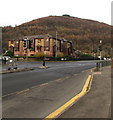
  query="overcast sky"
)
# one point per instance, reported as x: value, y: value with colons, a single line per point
x: 16, y: 12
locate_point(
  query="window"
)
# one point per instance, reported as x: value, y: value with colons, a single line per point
x: 31, y: 45
x: 32, y: 55
x: 46, y: 48
x: 39, y: 41
x: 16, y: 45
x: 46, y: 40
x: 39, y: 48
x: 46, y: 44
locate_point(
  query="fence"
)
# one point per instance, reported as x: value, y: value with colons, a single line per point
x: 101, y: 64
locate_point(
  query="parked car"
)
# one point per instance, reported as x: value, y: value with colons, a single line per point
x: 5, y: 59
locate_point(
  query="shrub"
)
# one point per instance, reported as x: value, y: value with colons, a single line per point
x: 9, y: 53
x: 39, y: 55
x: 60, y: 54
x: 85, y: 57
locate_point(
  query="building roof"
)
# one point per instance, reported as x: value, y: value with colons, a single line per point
x: 41, y: 36
x: 37, y: 36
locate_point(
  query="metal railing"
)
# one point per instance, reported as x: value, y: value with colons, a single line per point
x: 101, y: 64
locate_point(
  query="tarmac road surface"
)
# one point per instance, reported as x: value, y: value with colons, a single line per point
x: 14, y: 82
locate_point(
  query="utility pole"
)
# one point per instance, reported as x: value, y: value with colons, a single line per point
x: 76, y: 44
x: 44, y: 54
x: 25, y: 44
x: 44, y: 58
x: 100, y: 49
x: 93, y: 49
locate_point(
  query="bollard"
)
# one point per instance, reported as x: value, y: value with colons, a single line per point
x: 105, y: 63
x: 15, y: 68
x: 102, y: 63
x: 97, y: 66
x: 9, y: 68
x: 100, y: 66
x: 43, y: 62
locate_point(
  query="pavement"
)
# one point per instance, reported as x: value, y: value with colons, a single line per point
x: 21, y: 66
x: 22, y: 69
x: 97, y: 102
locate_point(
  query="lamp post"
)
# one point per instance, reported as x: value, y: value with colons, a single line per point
x: 13, y: 49
x: 100, y: 49
x: 44, y: 54
x: 25, y: 44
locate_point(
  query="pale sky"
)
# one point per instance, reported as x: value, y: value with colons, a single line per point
x: 16, y: 12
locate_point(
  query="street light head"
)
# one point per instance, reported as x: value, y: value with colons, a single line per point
x: 100, y: 41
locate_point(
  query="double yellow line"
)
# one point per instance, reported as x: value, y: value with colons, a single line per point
x: 70, y: 102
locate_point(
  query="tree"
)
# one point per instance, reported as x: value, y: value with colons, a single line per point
x: 66, y: 15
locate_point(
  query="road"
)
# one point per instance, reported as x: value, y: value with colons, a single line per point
x: 14, y: 82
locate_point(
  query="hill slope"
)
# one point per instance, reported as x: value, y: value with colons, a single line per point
x: 84, y: 33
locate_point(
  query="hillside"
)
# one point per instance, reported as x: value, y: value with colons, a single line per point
x: 83, y: 32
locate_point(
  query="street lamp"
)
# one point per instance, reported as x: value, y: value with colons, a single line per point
x: 25, y: 44
x: 44, y: 53
x: 100, y: 49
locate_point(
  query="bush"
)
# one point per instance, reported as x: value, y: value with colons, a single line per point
x: 39, y: 55
x: 60, y: 54
x: 9, y: 53
x: 85, y: 57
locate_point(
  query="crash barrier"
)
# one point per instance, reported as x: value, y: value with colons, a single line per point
x: 101, y: 64
x: 11, y: 63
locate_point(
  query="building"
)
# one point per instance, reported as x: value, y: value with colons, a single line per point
x: 30, y: 45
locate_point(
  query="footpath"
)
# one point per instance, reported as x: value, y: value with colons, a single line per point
x: 97, y: 102
x: 21, y: 66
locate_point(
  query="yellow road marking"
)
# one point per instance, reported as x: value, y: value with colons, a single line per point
x: 70, y: 102
x: 22, y: 91
x: 44, y: 84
